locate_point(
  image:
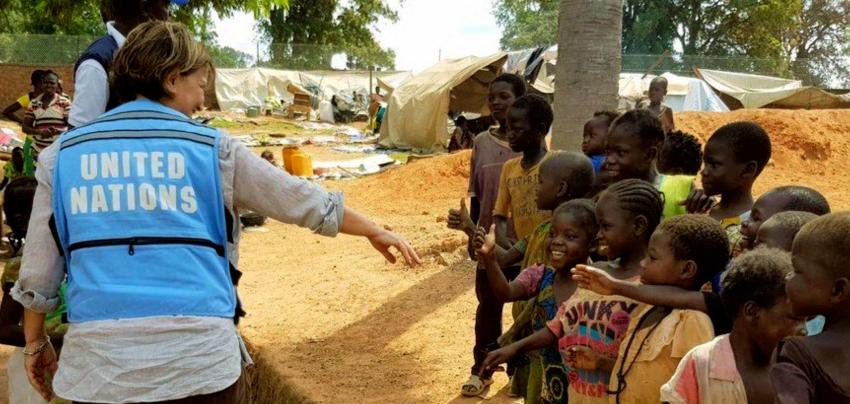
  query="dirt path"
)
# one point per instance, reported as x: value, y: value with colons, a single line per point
x: 329, y: 320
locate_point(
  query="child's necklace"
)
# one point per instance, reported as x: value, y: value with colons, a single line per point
x: 621, y: 373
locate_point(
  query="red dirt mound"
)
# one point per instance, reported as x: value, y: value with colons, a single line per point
x: 810, y: 148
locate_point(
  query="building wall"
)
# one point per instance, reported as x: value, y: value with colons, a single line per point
x: 15, y: 80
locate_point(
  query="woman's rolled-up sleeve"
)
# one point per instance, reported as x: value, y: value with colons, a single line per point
x: 42, y: 267
x: 270, y: 191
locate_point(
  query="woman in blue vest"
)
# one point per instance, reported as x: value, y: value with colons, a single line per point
x: 140, y: 203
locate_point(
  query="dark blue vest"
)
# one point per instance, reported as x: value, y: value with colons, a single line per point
x: 102, y: 51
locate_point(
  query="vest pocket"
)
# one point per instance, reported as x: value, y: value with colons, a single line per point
x: 131, y: 242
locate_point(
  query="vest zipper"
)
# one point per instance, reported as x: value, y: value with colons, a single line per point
x: 131, y: 242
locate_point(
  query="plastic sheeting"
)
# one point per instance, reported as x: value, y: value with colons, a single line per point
x: 417, y: 110
x: 683, y: 93
x: 240, y: 88
x: 754, y: 91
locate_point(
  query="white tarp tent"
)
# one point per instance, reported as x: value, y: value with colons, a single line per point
x: 683, y: 93
x: 240, y: 88
x: 754, y: 91
x: 418, y: 109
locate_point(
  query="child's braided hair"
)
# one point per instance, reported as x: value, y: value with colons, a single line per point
x: 643, y: 124
x: 640, y: 198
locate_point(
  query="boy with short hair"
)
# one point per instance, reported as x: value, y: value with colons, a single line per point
x: 785, y: 198
x: 529, y: 120
x: 734, y: 368
x: 490, y: 150
x: 814, y: 369
x: 593, y: 140
x: 735, y: 155
x: 657, y: 92
x: 779, y: 231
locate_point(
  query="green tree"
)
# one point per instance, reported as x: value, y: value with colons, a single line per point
x: 647, y: 28
x: 820, y: 46
x: 806, y: 39
x: 527, y: 23
x: 308, y: 33
x: 83, y: 17
x: 228, y: 58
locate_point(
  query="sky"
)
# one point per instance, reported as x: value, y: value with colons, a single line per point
x: 425, y: 30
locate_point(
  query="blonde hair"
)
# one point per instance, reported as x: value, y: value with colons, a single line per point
x: 152, y: 52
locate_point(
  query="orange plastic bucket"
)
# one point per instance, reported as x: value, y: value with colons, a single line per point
x: 302, y: 165
x: 287, y: 158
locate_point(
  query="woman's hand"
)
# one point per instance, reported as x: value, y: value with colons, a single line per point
x: 40, y: 369
x: 383, y: 240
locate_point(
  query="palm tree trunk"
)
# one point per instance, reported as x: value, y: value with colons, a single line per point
x: 588, y: 71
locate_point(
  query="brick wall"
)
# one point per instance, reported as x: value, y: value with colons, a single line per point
x: 15, y: 80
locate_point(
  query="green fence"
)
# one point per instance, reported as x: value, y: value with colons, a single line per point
x: 38, y: 50
x: 53, y: 50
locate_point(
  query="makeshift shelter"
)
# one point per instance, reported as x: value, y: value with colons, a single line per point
x: 418, y: 109
x: 240, y: 88
x: 536, y: 65
x: 683, y: 93
x: 754, y: 91
x: 388, y: 83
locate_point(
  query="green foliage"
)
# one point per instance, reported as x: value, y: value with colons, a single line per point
x: 68, y: 17
x: 647, y: 28
x: 228, y: 58
x: 527, y: 23
x: 806, y: 39
x: 83, y: 17
x: 308, y: 33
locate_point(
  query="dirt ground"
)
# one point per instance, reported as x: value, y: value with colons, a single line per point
x: 330, y: 321
x: 339, y: 324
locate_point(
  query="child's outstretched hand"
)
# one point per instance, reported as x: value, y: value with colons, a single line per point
x: 485, y: 242
x: 594, y: 279
x: 497, y: 357
x: 459, y: 218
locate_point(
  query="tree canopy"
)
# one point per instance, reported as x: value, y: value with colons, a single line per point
x: 308, y: 33
x: 806, y: 39
x: 304, y: 34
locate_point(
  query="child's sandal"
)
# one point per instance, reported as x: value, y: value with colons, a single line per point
x: 475, y: 386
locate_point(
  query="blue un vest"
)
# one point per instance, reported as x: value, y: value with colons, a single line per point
x: 139, y: 215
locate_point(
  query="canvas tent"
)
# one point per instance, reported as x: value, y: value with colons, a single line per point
x: 418, y: 109
x: 240, y: 88
x: 754, y: 91
x: 683, y: 93
x: 388, y: 83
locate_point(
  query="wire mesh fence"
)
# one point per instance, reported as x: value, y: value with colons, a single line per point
x: 55, y: 50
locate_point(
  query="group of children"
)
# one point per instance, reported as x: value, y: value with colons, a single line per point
x: 634, y: 285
